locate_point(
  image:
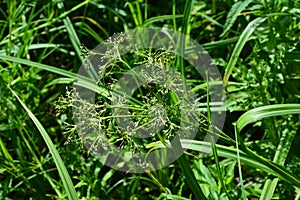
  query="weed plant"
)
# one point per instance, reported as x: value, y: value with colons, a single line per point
x: 255, y: 45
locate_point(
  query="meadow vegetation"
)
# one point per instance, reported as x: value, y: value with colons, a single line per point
x: 255, y: 45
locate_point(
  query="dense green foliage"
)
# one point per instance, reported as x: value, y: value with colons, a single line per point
x: 254, y: 43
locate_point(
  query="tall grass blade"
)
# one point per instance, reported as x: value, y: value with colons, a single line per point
x: 213, y: 142
x: 239, y: 46
x: 71, y: 31
x: 43, y: 67
x: 63, y: 172
x: 136, y: 18
x: 184, y: 30
x: 239, y: 162
x: 188, y: 173
x: 269, y: 189
x: 75, y: 40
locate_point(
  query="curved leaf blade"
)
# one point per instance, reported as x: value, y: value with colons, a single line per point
x: 239, y: 46
x: 63, y: 172
x: 252, y: 160
x: 262, y: 112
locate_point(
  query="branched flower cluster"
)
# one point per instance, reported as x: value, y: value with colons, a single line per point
x: 159, y: 108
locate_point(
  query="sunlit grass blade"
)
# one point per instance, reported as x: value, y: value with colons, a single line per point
x: 268, y: 190
x: 249, y: 158
x: 254, y: 161
x: 262, y: 112
x: 184, y: 30
x: 279, y: 158
x: 86, y: 29
x: 75, y: 40
x: 4, y: 152
x: 203, y: 86
x: 237, y: 137
x: 220, y: 176
x: 215, y: 44
x: 239, y: 46
x: 93, y: 22
x: 63, y: 172
x: 160, y: 18
x: 285, y: 141
x: 80, y: 80
x: 136, y: 13
x: 71, y: 31
x: 60, y: 81
x: 43, y: 67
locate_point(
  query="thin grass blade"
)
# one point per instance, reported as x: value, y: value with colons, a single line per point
x: 239, y: 46
x: 63, y: 172
x: 79, y: 80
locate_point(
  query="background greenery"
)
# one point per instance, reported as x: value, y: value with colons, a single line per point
x: 254, y: 43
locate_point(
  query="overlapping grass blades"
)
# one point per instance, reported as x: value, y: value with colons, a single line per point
x: 239, y: 46
x: 254, y: 161
x: 189, y: 175
x: 285, y: 141
x: 63, y: 172
x: 78, y: 79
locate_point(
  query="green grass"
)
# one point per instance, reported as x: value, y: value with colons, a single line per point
x: 254, y: 44
x: 63, y: 172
